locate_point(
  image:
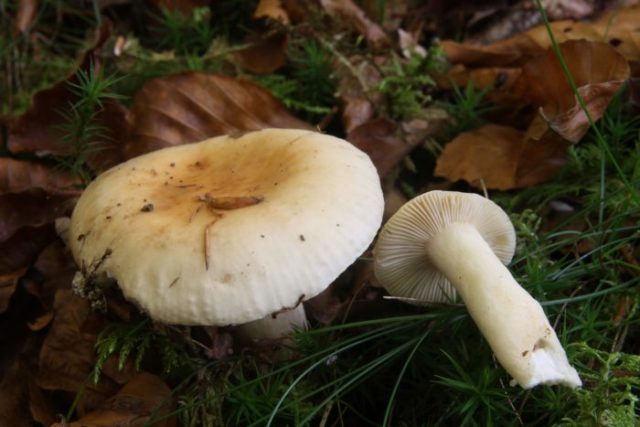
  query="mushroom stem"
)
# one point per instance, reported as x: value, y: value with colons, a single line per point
x: 510, y: 319
x: 274, y: 326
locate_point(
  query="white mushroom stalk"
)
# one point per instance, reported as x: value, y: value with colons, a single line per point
x: 510, y: 319
x: 274, y: 326
x: 455, y: 240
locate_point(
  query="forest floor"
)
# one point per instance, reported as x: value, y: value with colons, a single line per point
x: 535, y: 106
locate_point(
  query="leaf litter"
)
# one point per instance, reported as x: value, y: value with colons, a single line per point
x: 520, y: 75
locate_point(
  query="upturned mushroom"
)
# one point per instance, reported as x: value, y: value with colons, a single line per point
x: 442, y: 243
x: 230, y: 230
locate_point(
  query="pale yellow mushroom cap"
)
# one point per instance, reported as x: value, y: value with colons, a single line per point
x: 401, y: 264
x: 229, y: 230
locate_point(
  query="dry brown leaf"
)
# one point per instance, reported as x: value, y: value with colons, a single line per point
x: 380, y: 140
x: 271, y: 9
x: 25, y: 14
x: 32, y: 195
x: 30, y: 210
x: 354, y: 83
x: 265, y: 54
x: 67, y: 355
x: 477, y: 55
x: 485, y: 156
x: 350, y: 13
x: 17, y: 176
x: 8, y: 283
x: 56, y: 267
x: 500, y: 157
x: 23, y: 247
x: 38, y: 129
x: 144, y: 398
x: 14, y: 398
x: 598, y: 71
x: 541, y: 157
x: 191, y: 107
x: 618, y: 28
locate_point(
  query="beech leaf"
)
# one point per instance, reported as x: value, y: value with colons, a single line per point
x: 500, y: 157
x: 618, y: 28
x: 598, y: 71
x: 191, y: 107
x: 145, y: 395
x: 67, y: 356
x: 18, y: 176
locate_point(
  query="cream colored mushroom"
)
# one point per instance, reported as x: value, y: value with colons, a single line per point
x: 230, y: 230
x: 442, y: 243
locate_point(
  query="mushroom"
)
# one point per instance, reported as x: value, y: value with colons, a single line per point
x: 444, y: 243
x: 230, y: 230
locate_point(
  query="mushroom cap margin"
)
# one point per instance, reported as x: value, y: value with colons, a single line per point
x: 321, y: 207
x: 400, y: 261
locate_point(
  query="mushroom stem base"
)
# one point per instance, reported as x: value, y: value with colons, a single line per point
x: 274, y: 326
x: 511, y: 320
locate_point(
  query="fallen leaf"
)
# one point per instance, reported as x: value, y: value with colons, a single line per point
x: 271, y: 9
x: 30, y: 210
x: 194, y: 106
x: 38, y: 129
x: 145, y: 398
x: 265, y: 54
x: 41, y: 404
x: 380, y: 139
x: 355, y: 82
x: 32, y: 195
x: 23, y: 247
x: 25, y: 14
x: 41, y: 321
x: 56, y: 268
x: 477, y: 55
x: 598, y: 71
x: 351, y: 14
x: 8, y: 283
x: 67, y: 356
x: 500, y: 157
x: 17, y: 176
x: 487, y: 155
x: 14, y: 395
x: 497, y: 82
x: 618, y: 28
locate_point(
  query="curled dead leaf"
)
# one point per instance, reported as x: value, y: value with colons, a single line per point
x: 23, y: 247
x: 271, y: 9
x: 27, y: 10
x: 265, y: 54
x: 351, y: 14
x: 380, y: 140
x: 598, y: 71
x: 356, y: 78
x: 500, y: 157
x: 38, y: 129
x: 8, y: 283
x: 67, y: 355
x: 145, y: 398
x: 194, y: 106
x: 17, y: 176
x: 30, y: 210
x: 618, y: 28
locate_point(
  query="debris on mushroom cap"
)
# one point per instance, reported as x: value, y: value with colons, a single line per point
x: 229, y: 230
x: 400, y: 261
